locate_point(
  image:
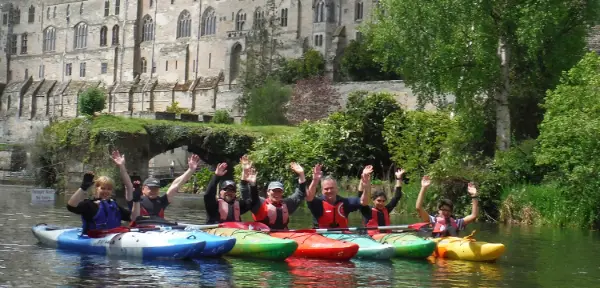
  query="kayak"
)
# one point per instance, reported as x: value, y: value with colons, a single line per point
x: 367, y: 247
x: 313, y: 245
x: 145, y: 245
x: 255, y: 244
x: 216, y: 246
x: 407, y: 245
x: 467, y: 249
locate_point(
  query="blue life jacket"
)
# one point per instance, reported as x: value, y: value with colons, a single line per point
x: 108, y: 217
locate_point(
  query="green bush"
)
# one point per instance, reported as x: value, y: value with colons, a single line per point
x: 311, y: 64
x: 569, y: 138
x: 91, y: 101
x: 222, y: 117
x: 266, y: 104
x: 358, y: 64
x: 415, y: 139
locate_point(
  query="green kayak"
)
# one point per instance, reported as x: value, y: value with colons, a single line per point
x: 254, y: 244
x: 367, y: 247
x: 407, y: 245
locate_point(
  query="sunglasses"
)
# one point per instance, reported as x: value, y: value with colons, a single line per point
x: 229, y: 189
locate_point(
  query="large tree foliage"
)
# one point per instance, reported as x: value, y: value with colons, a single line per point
x: 508, y: 51
x: 358, y: 63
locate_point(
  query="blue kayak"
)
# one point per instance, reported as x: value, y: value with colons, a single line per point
x: 216, y: 246
x: 146, y: 245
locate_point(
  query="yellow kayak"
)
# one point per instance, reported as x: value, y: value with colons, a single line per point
x: 467, y: 249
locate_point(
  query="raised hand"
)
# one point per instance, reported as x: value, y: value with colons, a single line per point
x: 297, y: 168
x: 193, y: 162
x: 246, y: 163
x: 399, y: 173
x: 88, y: 180
x: 317, y: 173
x: 118, y: 158
x: 251, y: 176
x: 366, y: 174
x: 425, y: 181
x: 472, y: 189
x: 221, y: 169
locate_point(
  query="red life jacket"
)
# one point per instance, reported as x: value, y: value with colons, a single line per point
x: 224, y: 211
x: 267, y: 214
x: 143, y: 212
x: 374, y: 221
x: 440, y: 224
x: 333, y: 215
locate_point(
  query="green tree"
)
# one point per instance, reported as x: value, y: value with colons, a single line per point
x: 174, y: 108
x: 91, y: 101
x: 267, y: 104
x: 500, y: 50
x: 222, y: 117
x: 310, y: 65
x: 358, y: 64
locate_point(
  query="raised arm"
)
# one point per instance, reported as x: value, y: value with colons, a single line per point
x: 425, y: 182
x: 397, y: 191
x: 312, y: 189
x: 366, y: 185
x: 293, y: 202
x: 81, y: 194
x: 475, y: 211
x: 181, y: 180
x: 119, y: 160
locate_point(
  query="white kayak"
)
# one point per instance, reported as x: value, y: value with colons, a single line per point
x: 145, y: 245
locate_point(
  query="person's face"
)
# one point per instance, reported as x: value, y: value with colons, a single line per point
x: 103, y: 191
x: 150, y: 192
x: 275, y: 195
x: 329, y: 190
x: 228, y: 193
x: 445, y: 211
x: 379, y: 202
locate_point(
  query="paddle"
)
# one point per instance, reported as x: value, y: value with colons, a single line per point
x: 416, y: 226
x: 238, y: 225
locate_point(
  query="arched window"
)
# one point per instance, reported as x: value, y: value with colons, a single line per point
x: 236, y: 52
x: 358, y: 10
x: 209, y: 22
x: 144, y: 64
x: 320, y: 12
x: 148, y: 29
x: 31, y: 17
x: 259, y: 16
x: 184, y: 24
x: 240, y: 20
x: 115, y: 35
x: 49, y: 39
x: 80, y: 39
x: 48, y: 13
x: 103, y: 32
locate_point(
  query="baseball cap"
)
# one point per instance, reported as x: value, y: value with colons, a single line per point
x: 227, y: 183
x: 152, y: 182
x: 275, y: 185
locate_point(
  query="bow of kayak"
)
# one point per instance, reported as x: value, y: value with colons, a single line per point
x: 146, y: 245
x: 254, y: 244
x: 467, y: 249
x: 367, y: 247
x: 313, y: 245
x: 407, y: 245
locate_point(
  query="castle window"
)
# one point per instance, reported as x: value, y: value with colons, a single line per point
x: 148, y: 29
x: 284, y: 17
x: 184, y: 24
x: 144, y: 65
x: 209, y: 22
x: 31, y: 17
x: 82, y: 69
x: 68, y: 69
x: 103, y: 32
x: 48, y: 13
x: 115, y: 35
x: 358, y: 10
x: 24, y: 43
x: 13, y: 44
x: 80, y: 39
x: 151, y: 3
x: 240, y: 20
x: 41, y: 72
x: 103, y: 68
x: 81, y: 9
x: 54, y: 12
x: 106, y: 8
x: 117, y: 7
x: 320, y: 12
x: 26, y: 74
x: 17, y: 18
x: 49, y: 39
x: 259, y: 17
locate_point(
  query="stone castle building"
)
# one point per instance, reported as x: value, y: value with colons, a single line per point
x: 148, y: 54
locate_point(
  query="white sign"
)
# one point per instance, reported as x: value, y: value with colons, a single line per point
x: 42, y: 195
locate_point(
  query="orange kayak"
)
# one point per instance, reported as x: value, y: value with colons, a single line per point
x: 313, y: 245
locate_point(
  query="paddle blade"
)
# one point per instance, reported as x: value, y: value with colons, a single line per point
x: 245, y: 225
x: 419, y: 226
x: 102, y: 233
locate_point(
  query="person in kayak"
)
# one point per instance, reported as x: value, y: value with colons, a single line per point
x: 332, y: 210
x: 227, y: 208
x: 102, y: 212
x: 152, y: 205
x: 444, y: 224
x: 275, y: 210
x: 379, y: 215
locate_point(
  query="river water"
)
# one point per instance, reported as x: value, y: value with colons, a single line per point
x: 534, y: 257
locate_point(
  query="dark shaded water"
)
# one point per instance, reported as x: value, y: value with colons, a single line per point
x: 535, y: 257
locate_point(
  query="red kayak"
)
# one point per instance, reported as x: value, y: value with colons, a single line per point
x: 313, y: 245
